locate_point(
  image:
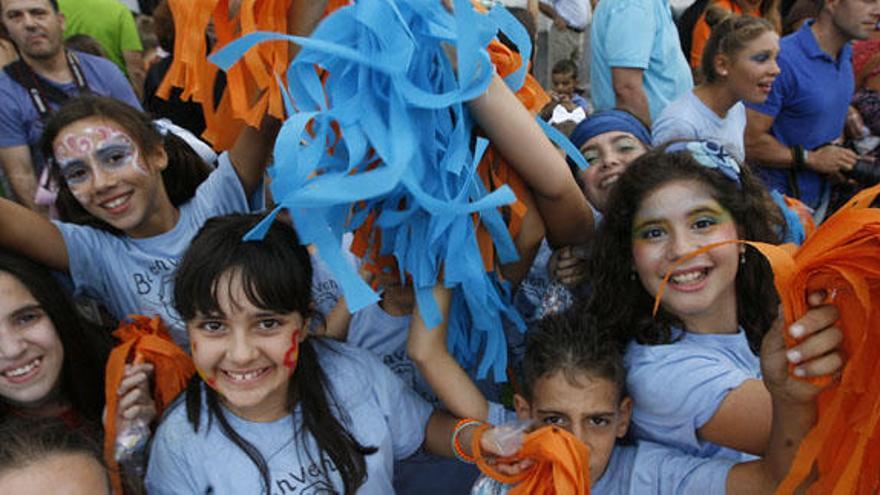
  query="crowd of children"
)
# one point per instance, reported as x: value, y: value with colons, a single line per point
x: 292, y: 394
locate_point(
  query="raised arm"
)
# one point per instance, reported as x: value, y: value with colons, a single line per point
x: 427, y: 348
x: 744, y: 420
x: 516, y: 135
x: 33, y: 235
x: 252, y: 149
x: 794, y: 400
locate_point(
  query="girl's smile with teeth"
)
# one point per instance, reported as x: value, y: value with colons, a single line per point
x: 672, y: 221
x: 23, y: 370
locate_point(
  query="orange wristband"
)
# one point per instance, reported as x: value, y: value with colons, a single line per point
x: 456, y: 445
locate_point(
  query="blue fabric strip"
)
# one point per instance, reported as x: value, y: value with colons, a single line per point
x: 398, y: 101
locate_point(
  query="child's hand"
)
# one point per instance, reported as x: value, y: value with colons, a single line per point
x: 136, y: 401
x: 568, y: 265
x: 817, y: 353
x: 499, y: 456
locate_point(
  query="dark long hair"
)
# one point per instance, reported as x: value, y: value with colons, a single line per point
x: 184, y: 173
x: 86, y: 348
x: 620, y: 302
x: 276, y: 275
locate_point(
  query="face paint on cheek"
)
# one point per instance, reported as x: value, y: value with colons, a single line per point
x: 292, y: 355
x: 211, y: 381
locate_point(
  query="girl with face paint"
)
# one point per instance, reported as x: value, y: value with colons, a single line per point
x: 739, y: 66
x: 693, y: 368
x: 270, y: 405
x: 574, y: 379
x: 131, y: 197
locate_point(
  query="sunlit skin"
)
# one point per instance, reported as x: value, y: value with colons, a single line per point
x: 31, y: 354
x: 589, y: 407
x: 746, y: 76
x: 58, y: 474
x: 608, y: 155
x: 113, y: 179
x: 676, y: 219
x: 246, y: 352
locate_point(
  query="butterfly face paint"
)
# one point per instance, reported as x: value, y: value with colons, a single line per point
x: 83, y: 153
x: 112, y: 178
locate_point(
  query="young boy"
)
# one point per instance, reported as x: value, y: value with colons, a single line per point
x: 566, y: 105
x: 574, y: 378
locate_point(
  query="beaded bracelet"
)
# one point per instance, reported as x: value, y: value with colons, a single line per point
x: 456, y: 445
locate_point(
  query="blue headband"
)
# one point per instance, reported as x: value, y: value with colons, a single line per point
x: 710, y: 154
x: 609, y: 121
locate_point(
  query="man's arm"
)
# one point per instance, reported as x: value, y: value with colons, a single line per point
x: 629, y: 92
x: 19, y: 169
x: 763, y: 148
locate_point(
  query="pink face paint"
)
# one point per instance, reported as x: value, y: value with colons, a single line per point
x: 95, y: 146
x: 292, y: 355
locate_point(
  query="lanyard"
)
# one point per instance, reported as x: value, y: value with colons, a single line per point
x: 41, y: 94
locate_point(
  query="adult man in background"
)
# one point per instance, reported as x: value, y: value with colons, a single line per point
x: 637, y: 63
x: 793, y: 135
x: 33, y: 87
x: 567, y: 35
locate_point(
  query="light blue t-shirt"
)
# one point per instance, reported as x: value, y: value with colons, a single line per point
x: 382, y: 412
x: 385, y: 335
x: 136, y: 276
x: 676, y: 388
x: 652, y: 468
x: 644, y: 468
x: 638, y: 34
x: 689, y: 118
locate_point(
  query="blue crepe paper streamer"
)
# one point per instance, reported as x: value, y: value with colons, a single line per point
x: 396, y: 98
x: 794, y: 229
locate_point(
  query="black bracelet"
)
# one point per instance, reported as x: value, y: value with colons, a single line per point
x: 798, y: 156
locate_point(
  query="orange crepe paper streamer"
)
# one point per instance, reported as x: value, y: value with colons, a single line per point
x: 252, y: 88
x: 143, y: 340
x: 842, y: 259
x: 252, y: 91
x: 562, y: 463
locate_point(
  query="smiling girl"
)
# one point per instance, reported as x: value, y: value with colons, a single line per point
x: 574, y: 379
x: 51, y: 363
x: 739, y: 64
x: 272, y: 409
x: 693, y: 369
x: 134, y: 197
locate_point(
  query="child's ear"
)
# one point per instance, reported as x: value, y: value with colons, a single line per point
x: 522, y: 407
x: 158, y: 159
x: 624, y: 415
x: 722, y: 65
